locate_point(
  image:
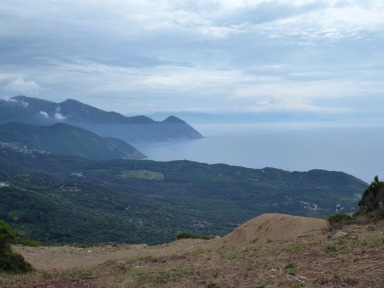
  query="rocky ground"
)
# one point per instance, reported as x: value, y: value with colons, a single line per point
x: 316, y: 257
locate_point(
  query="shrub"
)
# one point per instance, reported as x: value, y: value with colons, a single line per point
x: 187, y: 235
x: 339, y: 220
x: 14, y: 263
x: 6, y: 236
x: 10, y: 261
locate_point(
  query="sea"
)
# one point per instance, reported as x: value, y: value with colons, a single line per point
x: 356, y: 148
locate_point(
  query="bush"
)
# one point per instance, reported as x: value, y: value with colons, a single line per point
x: 187, y: 235
x: 339, y: 220
x: 10, y: 261
x: 14, y: 263
x: 6, y: 236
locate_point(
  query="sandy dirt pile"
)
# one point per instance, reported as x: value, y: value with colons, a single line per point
x: 273, y: 227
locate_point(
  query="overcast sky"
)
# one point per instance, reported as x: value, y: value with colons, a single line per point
x: 141, y: 56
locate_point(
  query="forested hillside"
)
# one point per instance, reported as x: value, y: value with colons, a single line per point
x: 67, y: 199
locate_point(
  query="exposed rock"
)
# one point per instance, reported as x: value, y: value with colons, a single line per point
x: 340, y: 234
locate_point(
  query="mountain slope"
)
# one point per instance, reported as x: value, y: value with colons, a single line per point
x: 67, y: 199
x: 133, y: 129
x: 67, y: 140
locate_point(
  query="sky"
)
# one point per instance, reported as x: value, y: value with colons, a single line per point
x: 216, y: 56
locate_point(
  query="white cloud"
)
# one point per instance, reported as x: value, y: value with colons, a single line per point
x: 44, y: 114
x: 8, y: 99
x: 59, y: 116
x: 20, y: 86
x: 328, y: 22
x: 24, y: 103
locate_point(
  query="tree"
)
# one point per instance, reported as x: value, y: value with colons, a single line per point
x: 6, y: 236
x: 372, y: 201
x: 10, y: 261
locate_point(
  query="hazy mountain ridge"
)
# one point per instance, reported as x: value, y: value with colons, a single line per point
x: 67, y: 140
x: 132, y: 129
x: 68, y: 199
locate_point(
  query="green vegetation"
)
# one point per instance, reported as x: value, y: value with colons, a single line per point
x: 371, y: 207
x: 143, y: 174
x: 338, y: 220
x: 22, y: 240
x: 292, y: 248
x: 155, y: 276
x: 187, y: 235
x: 67, y: 140
x: 290, y: 268
x: 10, y: 261
x: 6, y: 236
x: 330, y: 249
x: 62, y: 199
x: 372, y: 202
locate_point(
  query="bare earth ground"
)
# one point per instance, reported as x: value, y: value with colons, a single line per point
x: 271, y: 250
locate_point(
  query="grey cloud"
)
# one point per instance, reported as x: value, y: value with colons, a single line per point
x: 172, y: 54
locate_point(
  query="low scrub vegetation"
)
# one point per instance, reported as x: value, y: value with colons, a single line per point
x: 187, y: 235
x: 339, y: 220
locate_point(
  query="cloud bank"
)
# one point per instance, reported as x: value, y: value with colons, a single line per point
x: 143, y: 56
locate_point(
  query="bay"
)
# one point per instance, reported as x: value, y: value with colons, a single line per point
x: 354, y: 148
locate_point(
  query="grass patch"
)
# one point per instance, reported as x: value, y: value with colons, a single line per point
x: 292, y: 248
x: 154, y: 275
x: 330, y: 249
x: 268, y: 281
x: 79, y: 273
x: 290, y: 268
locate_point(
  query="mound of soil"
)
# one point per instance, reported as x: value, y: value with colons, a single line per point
x: 273, y: 227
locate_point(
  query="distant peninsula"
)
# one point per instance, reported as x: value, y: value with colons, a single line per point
x: 136, y: 129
